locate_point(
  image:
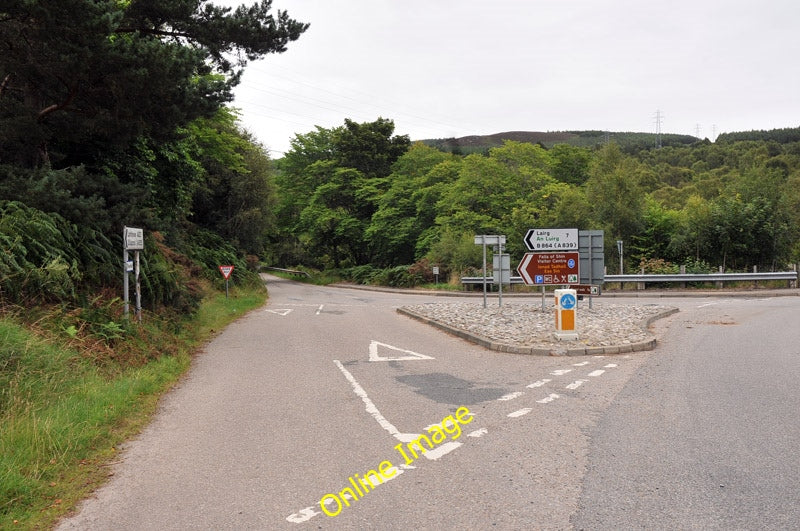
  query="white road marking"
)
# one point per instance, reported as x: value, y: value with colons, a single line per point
x: 581, y: 364
x: 478, y: 432
x: 598, y: 372
x: 409, y: 355
x: 610, y: 366
x: 303, y: 515
x: 576, y: 384
x: 512, y: 396
x: 441, y: 450
x: 538, y: 383
x: 709, y: 304
x: 283, y: 311
x: 520, y: 412
x: 560, y: 372
x: 550, y: 398
x: 319, y: 310
x: 372, y: 410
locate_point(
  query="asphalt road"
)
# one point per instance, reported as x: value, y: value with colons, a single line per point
x: 706, y: 435
x: 291, y: 402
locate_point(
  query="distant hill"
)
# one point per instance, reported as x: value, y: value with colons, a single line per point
x: 630, y: 142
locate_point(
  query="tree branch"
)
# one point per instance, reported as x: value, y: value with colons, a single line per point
x: 57, y: 106
x: 154, y: 31
x: 4, y: 85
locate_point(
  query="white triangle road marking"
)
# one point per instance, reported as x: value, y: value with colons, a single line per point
x: 283, y: 311
x: 407, y: 354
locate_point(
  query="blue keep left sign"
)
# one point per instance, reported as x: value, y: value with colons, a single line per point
x: 567, y: 301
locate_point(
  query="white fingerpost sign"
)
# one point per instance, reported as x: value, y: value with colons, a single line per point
x: 551, y: 240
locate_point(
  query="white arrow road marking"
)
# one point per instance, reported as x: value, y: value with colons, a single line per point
x: 284, y: 311
x: 538, y: 383
x: 373, y: 353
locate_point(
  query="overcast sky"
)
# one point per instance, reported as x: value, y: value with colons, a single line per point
x: 451, y: 68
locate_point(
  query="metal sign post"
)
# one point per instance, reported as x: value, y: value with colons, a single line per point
x: 484, y: 240
x: 132, y: 240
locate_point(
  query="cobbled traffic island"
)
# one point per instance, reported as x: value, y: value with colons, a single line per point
x: 526, y: 329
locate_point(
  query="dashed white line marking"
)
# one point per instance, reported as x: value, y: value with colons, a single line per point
x: 610, y: 366
x: 512, y: 396
x: 581, y: 364
x: 560, y: 372
x: 520, y: 412
x: 576, y: 384
x: 478, y: 433
x: 550, y: 398
x: 598, y: 372
x: 538, y: 383
x: 319, y: 310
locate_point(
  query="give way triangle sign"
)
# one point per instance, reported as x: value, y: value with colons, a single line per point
x: 226, y: 271
x: 395, y: 354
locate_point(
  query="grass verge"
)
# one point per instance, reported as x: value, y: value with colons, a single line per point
x: 62, y: 414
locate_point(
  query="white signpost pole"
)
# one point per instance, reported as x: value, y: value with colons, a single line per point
x: 125, y: 287
x: 138, y: 286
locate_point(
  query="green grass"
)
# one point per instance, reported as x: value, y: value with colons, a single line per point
x: 63, y: 414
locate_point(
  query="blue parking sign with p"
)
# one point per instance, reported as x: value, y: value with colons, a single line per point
x: 539, y: 279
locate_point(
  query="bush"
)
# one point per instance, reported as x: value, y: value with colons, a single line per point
x: 422, y: 271
x: 37, y: 255
x: 699, y: 266
x: 396, y: 277
x: 363, y: 274
x: 658, y: 266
